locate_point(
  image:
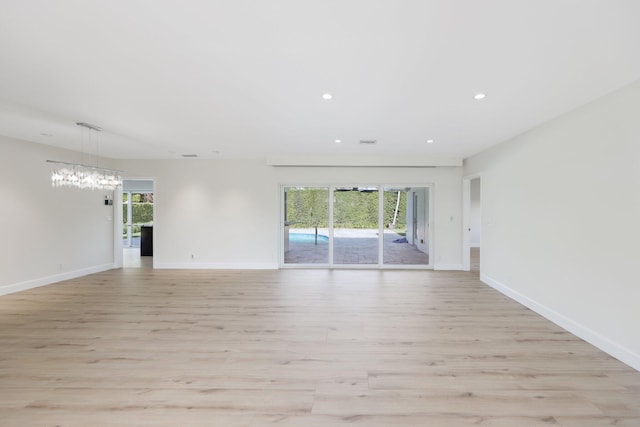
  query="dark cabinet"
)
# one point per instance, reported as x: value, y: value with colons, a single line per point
x: 146, y: 240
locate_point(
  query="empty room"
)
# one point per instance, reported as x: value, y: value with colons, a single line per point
x: 304, y: 213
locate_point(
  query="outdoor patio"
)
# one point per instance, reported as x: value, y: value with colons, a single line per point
x: 353, y: 246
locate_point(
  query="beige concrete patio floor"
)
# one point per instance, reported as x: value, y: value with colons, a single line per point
x: 354, y: 247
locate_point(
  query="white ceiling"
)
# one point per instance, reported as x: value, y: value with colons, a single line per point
x: 245, y: 77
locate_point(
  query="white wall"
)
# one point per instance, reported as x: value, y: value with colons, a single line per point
x: 48, y: 234
x: 560, y: 207
x: 475, y: 214
x: 223, y: 212
x: 227, y: 212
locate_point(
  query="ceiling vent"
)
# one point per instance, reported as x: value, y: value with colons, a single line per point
x: 190, y: 155
x: 368, y: 141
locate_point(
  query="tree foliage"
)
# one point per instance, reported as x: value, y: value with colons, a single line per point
x: 142, y: 208
x: 307, y: 207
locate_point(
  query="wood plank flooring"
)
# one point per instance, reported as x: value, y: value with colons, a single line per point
x: 297, y: 348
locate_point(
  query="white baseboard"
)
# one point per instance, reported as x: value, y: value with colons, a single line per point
x: 216, y: 265
x: 612, y: 348
x: 450, y: 267
x: 474, y: 245
x: 43, y: 281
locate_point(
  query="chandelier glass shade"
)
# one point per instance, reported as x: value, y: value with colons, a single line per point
x: 83, y: 176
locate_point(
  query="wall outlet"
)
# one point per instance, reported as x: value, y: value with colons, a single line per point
x: 193, y: 257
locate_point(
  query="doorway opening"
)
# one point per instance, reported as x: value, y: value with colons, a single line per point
x: 137, y: 222
x: 472, y: 232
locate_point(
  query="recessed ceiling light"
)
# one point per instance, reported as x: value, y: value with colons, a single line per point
x: 327, y: 96
x: 338, y: 141
x: 429, y: 141
x: 479, y: 96
x: 46, y: 134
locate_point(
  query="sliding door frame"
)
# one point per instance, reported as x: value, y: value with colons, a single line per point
x: 380, y: 264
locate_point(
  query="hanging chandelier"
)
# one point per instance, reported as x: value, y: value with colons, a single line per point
x: 84, y: 176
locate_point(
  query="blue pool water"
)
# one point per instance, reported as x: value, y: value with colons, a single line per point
x: 307, y: 238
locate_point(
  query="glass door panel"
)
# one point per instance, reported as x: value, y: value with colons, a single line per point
x: 306, y: 225
x: 355, y: 225
x: 137, y: 211
x: 126, y: 220
x: 141, y: 215
x: 406, y: 216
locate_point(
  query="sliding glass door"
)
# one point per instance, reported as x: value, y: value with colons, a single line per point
x: 355, y: 225
x: 306, y: 225
x: 359, y: 225
x: 406, y: 232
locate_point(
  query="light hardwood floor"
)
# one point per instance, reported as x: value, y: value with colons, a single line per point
x: 297, y: 348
